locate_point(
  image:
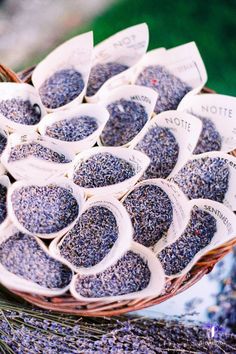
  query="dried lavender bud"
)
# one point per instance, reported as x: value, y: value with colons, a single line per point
x: 197, y: 235
x: 91, y: 239
x: 151, y: 213
x: 3, y: 203
x: 73, y: 129
x: 20, y: 111
x: 44, y: 209
x: 3, y: 143
x: 102, y: 169
x: 160, y: 145
x: 207, y: 178
x: 61, y: 88
x: 21, y: 255
x: 128, y: 275
x: 170, y: 88
x: 22, y: 151
x: 210, y: 139
x: 126, y: 120
x: 100, y: 73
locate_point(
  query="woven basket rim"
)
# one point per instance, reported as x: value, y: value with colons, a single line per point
x: 67, y: 304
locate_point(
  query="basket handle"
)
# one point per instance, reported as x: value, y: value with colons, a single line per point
x: 25, y: 75
x: 8, y: 75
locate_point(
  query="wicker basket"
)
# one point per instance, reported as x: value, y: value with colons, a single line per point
x: 67, y: 304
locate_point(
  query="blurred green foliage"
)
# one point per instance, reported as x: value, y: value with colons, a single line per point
x: 211, y: 24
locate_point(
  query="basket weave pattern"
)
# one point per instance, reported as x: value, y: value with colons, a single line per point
x: 67, y: 304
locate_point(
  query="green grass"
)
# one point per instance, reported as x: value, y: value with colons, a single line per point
x: 211, y: 24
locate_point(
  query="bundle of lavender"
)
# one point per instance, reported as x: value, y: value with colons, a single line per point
x: 24, y: 329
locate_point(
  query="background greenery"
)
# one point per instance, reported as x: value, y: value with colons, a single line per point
x: 211, y: 24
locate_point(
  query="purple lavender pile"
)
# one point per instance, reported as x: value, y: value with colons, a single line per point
x: 3, y: 143
x: 163, y: 337
x: 22, y: 151
x: 204, y: 178
x: 197, y: 235
x: 151, y: 213
x: 72, y: 129
x: 126, y: 119
x: 26, y: 330
x: 170, y: 88
x: 3, y: 203
x: 21, y: 255
x: 128, y: 275
x: 100, y: 73
x: 210, y: 139
x: 160, y: 145
x: 91, y: 238
x: 44, y: 209
x: 102, y: 169
x: 61, y: 88
x: 20, y: 111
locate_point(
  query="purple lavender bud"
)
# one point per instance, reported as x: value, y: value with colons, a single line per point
x: 151, y: 213
x: 128, y: 275
x: 21, y: 255
x: 102, y: 169
x: 210, y: 139
x: 91, y: 239
x: 3, y: 203
x: 126, y: 119
x: 100, y: 73
x: 160, y: 145
x: 61, y: 88
x: 22, y: 151
x: 44, y: 209
x: 197, y: 235
x: 204, y: 178
x: 21, y: 111
x: 170, y: 88
x: 72, y: 129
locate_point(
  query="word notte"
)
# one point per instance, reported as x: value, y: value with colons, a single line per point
x: 179, y: 122
x: 222, y: 111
